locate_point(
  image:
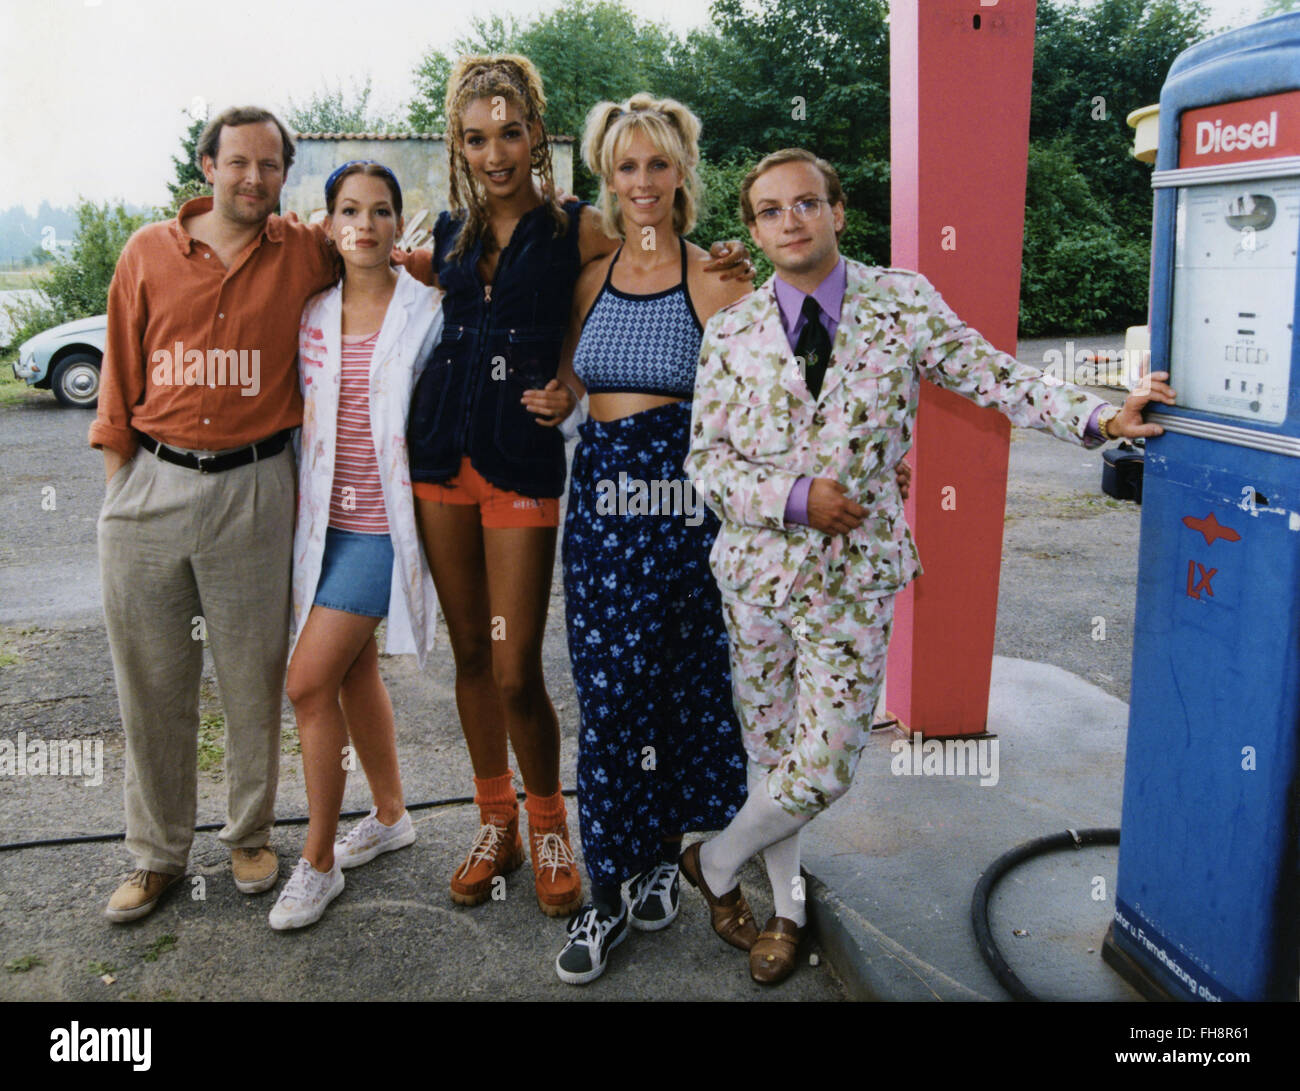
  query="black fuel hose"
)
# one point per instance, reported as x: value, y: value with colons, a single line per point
x: 979, y: 903
x: 296, y: 820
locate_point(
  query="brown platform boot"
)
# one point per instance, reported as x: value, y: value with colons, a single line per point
x: 555, y: 873
x: 497, y: 848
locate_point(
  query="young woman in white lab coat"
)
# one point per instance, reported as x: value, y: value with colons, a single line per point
x: 357, y: 555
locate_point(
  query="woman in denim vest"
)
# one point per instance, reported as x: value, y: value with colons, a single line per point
x: 487, y: 471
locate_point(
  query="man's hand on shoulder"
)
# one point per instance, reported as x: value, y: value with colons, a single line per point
x: 731, y: 260
x: 830, y: 509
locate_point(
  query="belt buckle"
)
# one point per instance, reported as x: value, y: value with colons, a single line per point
x: 202, y: 460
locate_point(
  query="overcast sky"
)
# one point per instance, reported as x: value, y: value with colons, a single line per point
x: 95, y: 93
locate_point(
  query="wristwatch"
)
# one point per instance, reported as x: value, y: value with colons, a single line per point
x: 1103, y: 422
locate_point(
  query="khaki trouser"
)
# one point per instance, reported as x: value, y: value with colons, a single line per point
x: 176, y: 545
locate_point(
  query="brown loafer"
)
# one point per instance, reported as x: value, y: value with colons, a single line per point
x: 733, y: 920
x: 772, y: 958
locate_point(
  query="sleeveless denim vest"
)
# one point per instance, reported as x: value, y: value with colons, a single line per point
x: 497, y: 341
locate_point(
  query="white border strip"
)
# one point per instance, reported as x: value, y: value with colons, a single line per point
x: 1225, y: 172
x: 1226, y: 433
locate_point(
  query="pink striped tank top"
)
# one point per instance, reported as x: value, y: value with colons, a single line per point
x: 357, y: 499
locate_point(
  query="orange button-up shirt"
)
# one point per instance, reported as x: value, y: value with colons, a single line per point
x: 199, y: 355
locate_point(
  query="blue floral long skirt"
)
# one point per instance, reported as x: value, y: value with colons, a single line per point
x: 659, y: 746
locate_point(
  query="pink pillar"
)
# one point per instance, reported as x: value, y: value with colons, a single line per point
x: 960, y: 75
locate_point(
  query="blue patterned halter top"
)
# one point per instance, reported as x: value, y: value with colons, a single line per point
x: 640, y: 344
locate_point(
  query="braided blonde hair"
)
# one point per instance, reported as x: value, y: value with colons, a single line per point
x: 669, y: 126
x: 517, y: 80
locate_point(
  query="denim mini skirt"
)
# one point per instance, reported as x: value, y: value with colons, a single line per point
x: 356, y: 573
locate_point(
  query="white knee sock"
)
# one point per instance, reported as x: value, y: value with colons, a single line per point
x: 788, y: 891
x: 782, y: 860
x: 759, y: 823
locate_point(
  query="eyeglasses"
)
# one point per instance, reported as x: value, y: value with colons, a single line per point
x: 803, y: 211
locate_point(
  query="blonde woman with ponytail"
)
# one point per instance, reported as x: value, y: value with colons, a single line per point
x: 487, y: 463
x: 660, y: 749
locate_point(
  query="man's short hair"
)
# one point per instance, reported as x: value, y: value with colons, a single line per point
x: 210, y: 139
x: 834, y: 191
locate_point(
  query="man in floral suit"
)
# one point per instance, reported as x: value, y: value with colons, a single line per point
x: 805, y: 402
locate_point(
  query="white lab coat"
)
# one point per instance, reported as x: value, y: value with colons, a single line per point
x: 412, y: 325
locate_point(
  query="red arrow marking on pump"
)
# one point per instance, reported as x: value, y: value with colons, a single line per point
x: 1212, y: 529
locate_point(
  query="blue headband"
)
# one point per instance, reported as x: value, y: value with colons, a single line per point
x: 333, y: 178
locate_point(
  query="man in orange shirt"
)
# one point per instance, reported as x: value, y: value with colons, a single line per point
x: 196, y: 531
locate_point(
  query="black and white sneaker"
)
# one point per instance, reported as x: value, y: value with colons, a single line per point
x: 655, y: 897
x: 591, y: 937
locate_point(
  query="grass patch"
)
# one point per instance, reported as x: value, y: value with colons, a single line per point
x: 289, y: 742
x: 212, y: 742
x: 99, y: 969
x: 12, y: 644
x: 160, y: 946
x: 212, y: 732
x: 13, y: 391
x: 12, y: 280
x: 22, y: 965
x: 1078, y: 506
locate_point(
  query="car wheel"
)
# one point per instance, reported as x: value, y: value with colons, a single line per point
x: 75, y: 381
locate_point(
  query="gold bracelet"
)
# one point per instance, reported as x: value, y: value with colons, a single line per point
x: 1103, y: 424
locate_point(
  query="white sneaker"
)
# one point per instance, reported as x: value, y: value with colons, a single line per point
x: 591, y: 938
x: 305, y: 896
x: 371, y: 837
x: 654, y: 897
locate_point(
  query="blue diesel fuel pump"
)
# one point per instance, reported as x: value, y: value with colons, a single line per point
x: 1206, y: 904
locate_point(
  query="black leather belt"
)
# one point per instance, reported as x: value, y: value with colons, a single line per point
x: 215, y: 464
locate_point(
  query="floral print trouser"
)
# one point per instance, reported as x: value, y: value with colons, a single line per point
x: 659, y: 747
x: 807, y: 677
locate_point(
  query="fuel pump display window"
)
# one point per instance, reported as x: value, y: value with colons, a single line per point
x: 1234, y: 297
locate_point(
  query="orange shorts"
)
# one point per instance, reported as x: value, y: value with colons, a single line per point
x: 498, y: 508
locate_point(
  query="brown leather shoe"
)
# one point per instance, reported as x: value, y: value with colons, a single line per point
x: 497, y: 850
x: 255, y: 870
x: 772, y: 958
x: 733, y: 920
x: 138, y: 895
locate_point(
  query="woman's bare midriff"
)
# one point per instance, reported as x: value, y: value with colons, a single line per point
x: 607, y: 407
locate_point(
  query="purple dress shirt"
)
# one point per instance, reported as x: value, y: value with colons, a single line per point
x: 789, y: 300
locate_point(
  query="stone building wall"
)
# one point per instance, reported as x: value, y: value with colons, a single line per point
x: 418, y: 159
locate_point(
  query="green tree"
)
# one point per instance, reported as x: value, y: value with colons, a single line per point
x: 815, y: 73
x: 1094, y: 65
x: 77, y: 284
x: 333, y: 110
x: 1279, y: 7
x: 811, y: 73
x: 425, y: 112
x: 188, y: 174
x: 1081, y: 273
